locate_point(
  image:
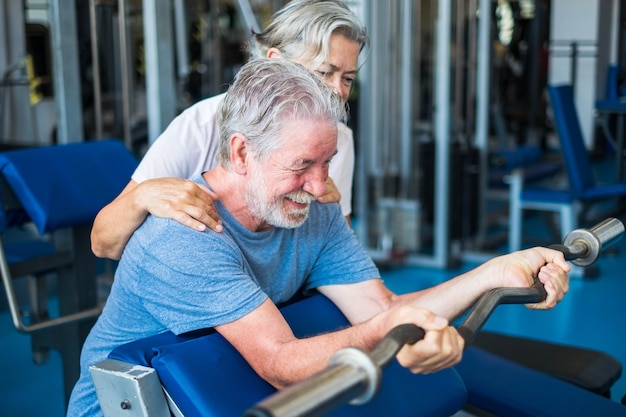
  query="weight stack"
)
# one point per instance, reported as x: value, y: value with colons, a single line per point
x: 464, y: 188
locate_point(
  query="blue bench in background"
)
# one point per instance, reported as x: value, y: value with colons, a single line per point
x: 50, y: 197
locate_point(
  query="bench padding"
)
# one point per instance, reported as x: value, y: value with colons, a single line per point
x: 91, y: 174
x: 206, y: 376
x: 505, y: 388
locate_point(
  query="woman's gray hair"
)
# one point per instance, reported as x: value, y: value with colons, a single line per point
x: 302, y: 30
x: 267, y: 93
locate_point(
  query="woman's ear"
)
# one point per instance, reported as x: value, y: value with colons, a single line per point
x: 273, y: 53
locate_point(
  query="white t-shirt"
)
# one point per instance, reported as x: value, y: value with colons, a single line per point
x: 190, y: 143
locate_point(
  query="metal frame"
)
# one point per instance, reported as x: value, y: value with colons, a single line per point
x: 568, y: 214
x: 67, y: 90
x: 77, y: 293
x: 160, y: 80
x: 481, y: 133
x: 126, y: 390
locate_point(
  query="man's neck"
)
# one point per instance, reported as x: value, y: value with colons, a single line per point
x: 230, y: 190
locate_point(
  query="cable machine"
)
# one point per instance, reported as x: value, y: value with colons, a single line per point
x: 432, y: 112
x: 415, y: 132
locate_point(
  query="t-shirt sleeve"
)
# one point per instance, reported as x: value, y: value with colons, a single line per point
x: 198, y: 280
x: 342, y: 259
x: 187, y: 147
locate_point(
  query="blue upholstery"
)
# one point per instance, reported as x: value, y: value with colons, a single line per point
x: 207, y: 377
x: 582, y: 188
x: 504, y: 388
x: 544, y: 193
x: 613, y: 104
x: 529, y: 159
x: 580, y: 173
x: 581, y: 177
x: 57, y: 187
x: 27, y: 249
x: 64, y: 185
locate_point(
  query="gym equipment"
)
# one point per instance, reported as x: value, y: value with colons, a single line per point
x: 202, y: 375
x: 355, y: 376
x: 585, y: 368
x: 197, y: 374
x: 165, y: 373
x: 512, y: 168
x: 591, y: 370
x: 583, y: 189
x: 499, y: 387
x: 613, y: 105
x: 50, y: 195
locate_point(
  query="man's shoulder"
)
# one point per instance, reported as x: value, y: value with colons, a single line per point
x: 163, y: 231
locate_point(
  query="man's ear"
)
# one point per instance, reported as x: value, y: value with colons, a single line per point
x: 273, y: 53
x: 239, y: 153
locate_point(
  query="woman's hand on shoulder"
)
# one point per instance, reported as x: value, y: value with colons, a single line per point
x: 332, y: 194
x: 183, y: 200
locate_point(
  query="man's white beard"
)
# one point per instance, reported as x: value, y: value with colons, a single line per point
x: 271, y: 211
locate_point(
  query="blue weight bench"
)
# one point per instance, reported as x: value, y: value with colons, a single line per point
x: 589, y: 369
x: 50, y: 196
x: 581, y: 190
x: 504, y: 388
x: 528, y: 161
x: 510, y: 170
x: 203, y: 375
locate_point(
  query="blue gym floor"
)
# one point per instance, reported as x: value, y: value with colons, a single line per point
x: 592, y: 316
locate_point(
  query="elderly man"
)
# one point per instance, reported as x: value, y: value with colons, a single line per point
x: 324, y: 36
x: 278, y: 134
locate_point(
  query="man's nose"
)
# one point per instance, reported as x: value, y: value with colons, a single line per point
x: 316, y: 182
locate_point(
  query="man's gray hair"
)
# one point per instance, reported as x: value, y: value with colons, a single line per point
x: 302, y: 29
x: 265, y: 94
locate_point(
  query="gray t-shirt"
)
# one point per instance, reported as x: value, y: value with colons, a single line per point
x: 174, y: 278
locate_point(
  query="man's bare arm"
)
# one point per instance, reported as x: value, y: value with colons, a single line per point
x: 267, y: 343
